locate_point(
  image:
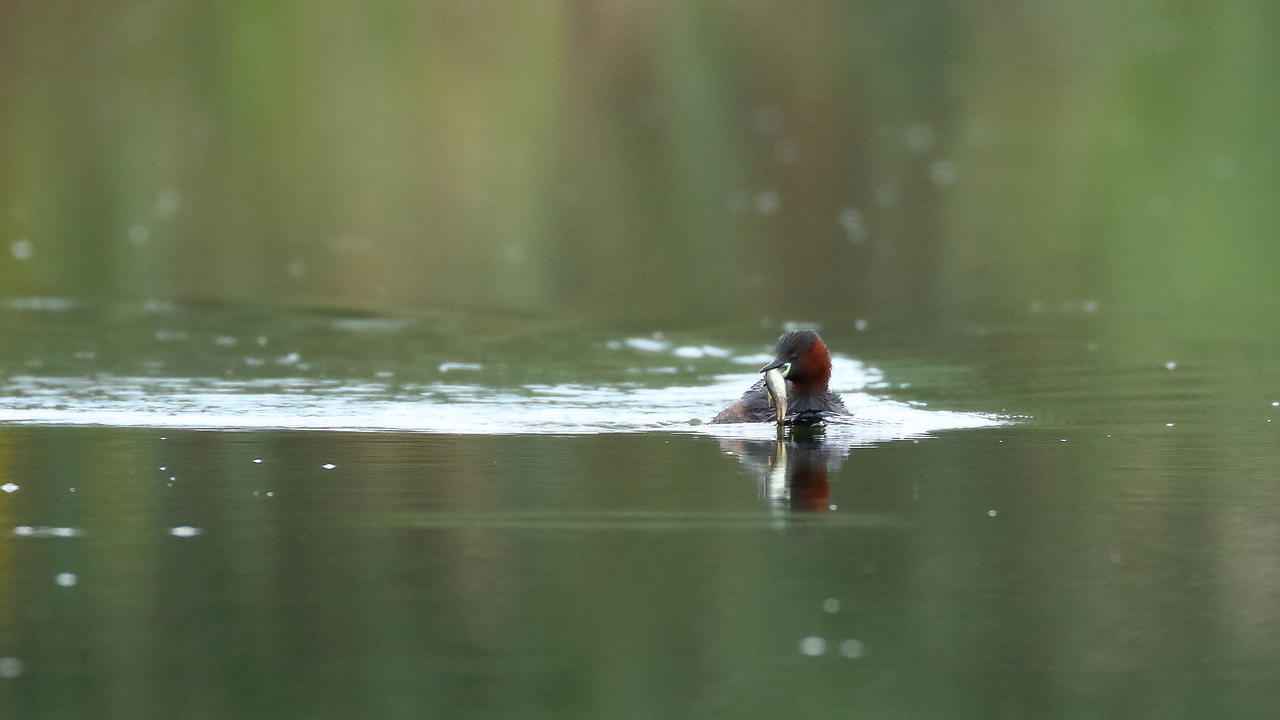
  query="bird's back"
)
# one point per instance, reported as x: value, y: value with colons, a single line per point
x: 754, y: 406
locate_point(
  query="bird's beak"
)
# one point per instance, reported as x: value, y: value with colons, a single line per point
x: 776, y: 364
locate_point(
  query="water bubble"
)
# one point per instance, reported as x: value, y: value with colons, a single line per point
x: 831, y: 605
x: 257, y: 461
x: 167, y: 203
x: 66, y: 579
x: 451, y: 366
x: 271, y: 493
x: 813, y: 646
x: 328, y: 466
x: 185, y: 531
x: 687, y: 351
x: 10, y: 487
x: 290, y: 359
x: 854, y: 227
x: 768, y: 202
x: 10, y: 668
x: 21, y: 249
x: 1063, y: 440
x: 1171, y: 365
x: 992, y: 512
x: 224, y: 341
x: 514, y: 254
x: 1276, y: 404
x: 861, y: 324
x: 1168, y: 424
x: 852, y: 649
x: 943, y: 173
x: 1090, y: 306
x: 154, y: 305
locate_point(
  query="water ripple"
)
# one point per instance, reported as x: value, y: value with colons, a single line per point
x: 376, y: 405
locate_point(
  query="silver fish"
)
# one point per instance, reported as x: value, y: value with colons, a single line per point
x: 777, y: 387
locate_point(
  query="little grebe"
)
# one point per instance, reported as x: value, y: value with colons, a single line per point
x: 804, y: 361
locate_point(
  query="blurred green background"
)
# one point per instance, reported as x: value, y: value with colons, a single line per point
x: 658, y: 162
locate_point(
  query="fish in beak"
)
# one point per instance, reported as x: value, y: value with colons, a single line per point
x: 776, y: 384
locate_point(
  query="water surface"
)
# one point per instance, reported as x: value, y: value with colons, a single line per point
x: 1026, y: 524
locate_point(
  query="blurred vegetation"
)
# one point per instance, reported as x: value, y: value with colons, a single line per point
x: 663, y: 161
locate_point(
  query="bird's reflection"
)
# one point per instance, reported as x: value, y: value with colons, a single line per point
x: 793, y: 470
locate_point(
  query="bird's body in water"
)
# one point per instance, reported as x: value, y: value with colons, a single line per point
x: 805, y: 363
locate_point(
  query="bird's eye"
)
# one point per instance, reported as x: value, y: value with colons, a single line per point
x: 786, y: 368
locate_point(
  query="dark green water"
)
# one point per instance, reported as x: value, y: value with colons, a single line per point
x: 1088, y: 559
x: 468, y: 280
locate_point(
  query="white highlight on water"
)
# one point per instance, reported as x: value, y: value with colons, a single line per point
x: 22, y: 249
x: 45, y: 531
x: 448, y: 406
x: 852, y: 649
x: 646, y: 344
x: 813, y: 646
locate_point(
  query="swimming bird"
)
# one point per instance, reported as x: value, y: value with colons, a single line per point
x: 804, y: 361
